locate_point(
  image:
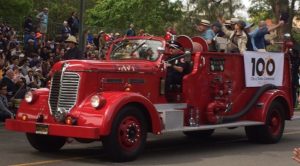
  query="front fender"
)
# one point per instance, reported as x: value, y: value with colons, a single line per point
x: 115, y: 101
x: 38, y: 106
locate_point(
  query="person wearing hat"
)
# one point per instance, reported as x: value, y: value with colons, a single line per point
x: 29, y: 78
x: 31, y: 48
x: 73, y: 51
x: 217, y: 29
x: 117, y: 35
x: 233, y: 21
x: 101, y: 39
x: 102, y: 43
x: 250, y: 41
x: 219, y: 37
x: 205, y: 31
x: 237, y: 38
x: 43, y: 22
x: 228, y: 25
x: 146, y: 53
x: 176, y: 65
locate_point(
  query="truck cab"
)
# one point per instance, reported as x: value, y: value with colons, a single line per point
x: 121, y: 99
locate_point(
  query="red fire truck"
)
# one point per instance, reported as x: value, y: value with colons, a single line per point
x: 121, y: 99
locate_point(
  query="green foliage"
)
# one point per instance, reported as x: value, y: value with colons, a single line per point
x: 13, y: 11
x: 151, y: 15
x: 260, y: 10
x: 59, y: 10
x: 272, y: 9
x: 212, y: 10
x: 296, y: 36
x: 206, y: 9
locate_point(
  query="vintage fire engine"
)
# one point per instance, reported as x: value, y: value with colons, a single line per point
x: 121, y: 99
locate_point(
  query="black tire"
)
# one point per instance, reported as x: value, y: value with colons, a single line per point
x: 45, y: 143
x: 128, y: 135
x: 201, y: 134
x: 272, y: 131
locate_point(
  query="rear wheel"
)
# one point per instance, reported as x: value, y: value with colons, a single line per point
x: 272, y: 131
x: 128, y: 135
x: 199, y: 134
x: 45, y: 143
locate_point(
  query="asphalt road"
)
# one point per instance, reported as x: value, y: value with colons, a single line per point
x: 225, y: 148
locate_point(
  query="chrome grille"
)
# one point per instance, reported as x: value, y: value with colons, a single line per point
x: 63, y: 91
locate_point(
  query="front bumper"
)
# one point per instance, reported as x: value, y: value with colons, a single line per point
x: 54, y: 129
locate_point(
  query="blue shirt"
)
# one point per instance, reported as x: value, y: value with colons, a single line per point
x: 259, y: 38
x: 130, y: 32
x: 251, y: 35
x: 208, y: 34
x: 43, y: 17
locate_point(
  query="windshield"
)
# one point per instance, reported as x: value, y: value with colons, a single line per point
x: 136, y: 49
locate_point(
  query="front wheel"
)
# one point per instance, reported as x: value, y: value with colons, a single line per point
x: 45, y: 143
x: 272, y: 131
x: 128, y: 135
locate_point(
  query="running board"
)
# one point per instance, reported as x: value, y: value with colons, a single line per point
x: 170, y: 106
x: 208, y: 127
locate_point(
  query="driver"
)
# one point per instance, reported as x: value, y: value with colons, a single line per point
x: 146, y: 53
x: 176, y: 66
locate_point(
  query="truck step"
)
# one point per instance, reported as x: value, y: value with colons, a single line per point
x: 207, y: 127
x: 173, y: 106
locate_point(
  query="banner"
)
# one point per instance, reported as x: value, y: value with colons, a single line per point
x: 263, y: 68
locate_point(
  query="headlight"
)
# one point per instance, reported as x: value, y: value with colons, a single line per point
x: 97, y: 101
x: 29, y: 97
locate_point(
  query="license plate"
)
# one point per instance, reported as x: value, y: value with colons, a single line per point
x: 41, y: 129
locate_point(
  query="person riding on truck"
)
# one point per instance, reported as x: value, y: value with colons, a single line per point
x: 176, y: 66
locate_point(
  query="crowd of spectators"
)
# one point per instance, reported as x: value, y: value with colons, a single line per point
x: 23, y: 66
x: 25, y: 63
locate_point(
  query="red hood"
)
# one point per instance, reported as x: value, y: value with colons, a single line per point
x: 106, y: 66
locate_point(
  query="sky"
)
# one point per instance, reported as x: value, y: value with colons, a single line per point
x: 244, y: 12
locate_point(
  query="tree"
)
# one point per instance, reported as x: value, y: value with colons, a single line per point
x: 211, y: 9
x: 264, y: 9
x: 260, y: 10
x: 59, y: 10
x: 151, y: 15
x: 206, y: 9
x: 13, y: 11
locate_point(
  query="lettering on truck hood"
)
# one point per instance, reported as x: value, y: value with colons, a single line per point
x: 127, y: 68
x: 107, y: 66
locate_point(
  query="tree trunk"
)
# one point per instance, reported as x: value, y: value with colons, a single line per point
x: 277, y: 10
x: 230, y: 8
x: 292, y: 14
